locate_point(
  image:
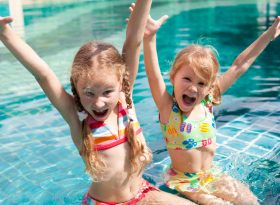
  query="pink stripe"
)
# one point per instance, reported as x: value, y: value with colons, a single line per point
x: 109, y: 145
x: 122, y: 113
x: 139, y: 131
x: 96, y: 124
x: 144, y: 189
x: 122, y: 107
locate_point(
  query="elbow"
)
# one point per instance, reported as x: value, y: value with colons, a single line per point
x: 153, y: 79
x: 44, y: 75
x: 40, y: 78
x: 239, y: 68
x: 133, y: 42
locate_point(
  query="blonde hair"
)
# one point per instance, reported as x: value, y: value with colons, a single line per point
x: 90, y: 57
x: 203, y: 61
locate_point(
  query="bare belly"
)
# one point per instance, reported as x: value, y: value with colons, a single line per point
x: 193, y: 160
x: 117, y: 185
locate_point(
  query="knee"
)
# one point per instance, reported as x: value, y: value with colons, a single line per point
x: 233, y: 190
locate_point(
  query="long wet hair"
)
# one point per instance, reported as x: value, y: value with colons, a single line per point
x: 101, y: 57
x: 203, y: 61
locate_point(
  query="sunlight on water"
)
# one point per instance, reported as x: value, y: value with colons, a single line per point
x: 38, y: 161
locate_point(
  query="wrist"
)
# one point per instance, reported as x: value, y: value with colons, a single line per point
x: 150, y: 37
x: 3, y: 31
x: 270, y: 34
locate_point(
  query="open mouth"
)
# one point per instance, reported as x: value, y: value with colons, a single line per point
x: 100, y: 114
x: 189, y: 100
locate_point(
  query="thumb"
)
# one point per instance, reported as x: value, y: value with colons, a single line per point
x: 163, y: 19
x: 276, y: 35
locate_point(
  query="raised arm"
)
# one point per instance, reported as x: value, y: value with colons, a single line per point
x: 158, y: 88
x: 248, y: 56
x: 134, y: 36
x: 38, y: 68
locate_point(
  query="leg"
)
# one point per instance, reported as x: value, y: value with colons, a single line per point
x: 155, y: 197
x: 234, y: 191
x: 205, y: 199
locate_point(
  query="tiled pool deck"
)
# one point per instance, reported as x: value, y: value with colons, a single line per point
x: 256, y: 133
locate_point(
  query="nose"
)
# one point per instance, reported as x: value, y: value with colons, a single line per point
x: 193, y: 89
x: 99, y: 102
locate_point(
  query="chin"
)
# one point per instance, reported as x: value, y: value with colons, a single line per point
x: 100, y: 119
x: 187, y: 107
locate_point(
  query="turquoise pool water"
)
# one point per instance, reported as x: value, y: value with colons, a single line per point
x: 38, y: 161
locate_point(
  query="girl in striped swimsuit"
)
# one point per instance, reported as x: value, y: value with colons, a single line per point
x: 100, y: 113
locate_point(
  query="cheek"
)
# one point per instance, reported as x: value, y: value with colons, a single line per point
x: 85, y: 101
x: 115, y: 97
x: 205, y: 92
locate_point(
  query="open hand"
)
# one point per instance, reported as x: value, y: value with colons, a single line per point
x: 4, y: 21
x: 275, y: 28
x: 152, y: 25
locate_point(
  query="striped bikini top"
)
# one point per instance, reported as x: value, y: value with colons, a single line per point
x: 104, y: 137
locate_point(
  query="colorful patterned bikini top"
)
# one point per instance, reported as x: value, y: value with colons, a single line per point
x: 183, y: 133
x: 104, y: 137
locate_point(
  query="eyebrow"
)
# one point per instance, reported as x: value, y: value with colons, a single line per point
x: 88, y: 89
x: 104, y: 88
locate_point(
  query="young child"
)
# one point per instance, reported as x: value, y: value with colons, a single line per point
x: 186, y: 116
x: 100, y: 114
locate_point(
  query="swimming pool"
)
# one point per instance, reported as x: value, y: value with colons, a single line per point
x: 38, y: 161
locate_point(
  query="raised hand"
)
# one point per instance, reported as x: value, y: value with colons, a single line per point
x: 275, y: 28
x: 152, y: 25
x: 4, y: 21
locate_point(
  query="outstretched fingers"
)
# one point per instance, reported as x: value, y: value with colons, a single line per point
x: 276, y: 26
x: 5, y: 20
x: 162, y: 19
x: 153, y: 26
x: 130, y: 9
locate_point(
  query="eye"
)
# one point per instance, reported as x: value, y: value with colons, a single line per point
x: 187, y: 79
x: 201, y: 84
x: 107, y: 92
x: 89, y: 93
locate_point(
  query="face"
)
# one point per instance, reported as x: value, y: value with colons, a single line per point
x: 99, y: 94
x: 189, y: 89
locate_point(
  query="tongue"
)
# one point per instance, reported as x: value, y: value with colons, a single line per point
x: 188, y: 100
x: 100, y: 113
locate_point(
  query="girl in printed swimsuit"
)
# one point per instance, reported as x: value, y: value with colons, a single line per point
x: 186, y: 117
x: 100, y: 113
